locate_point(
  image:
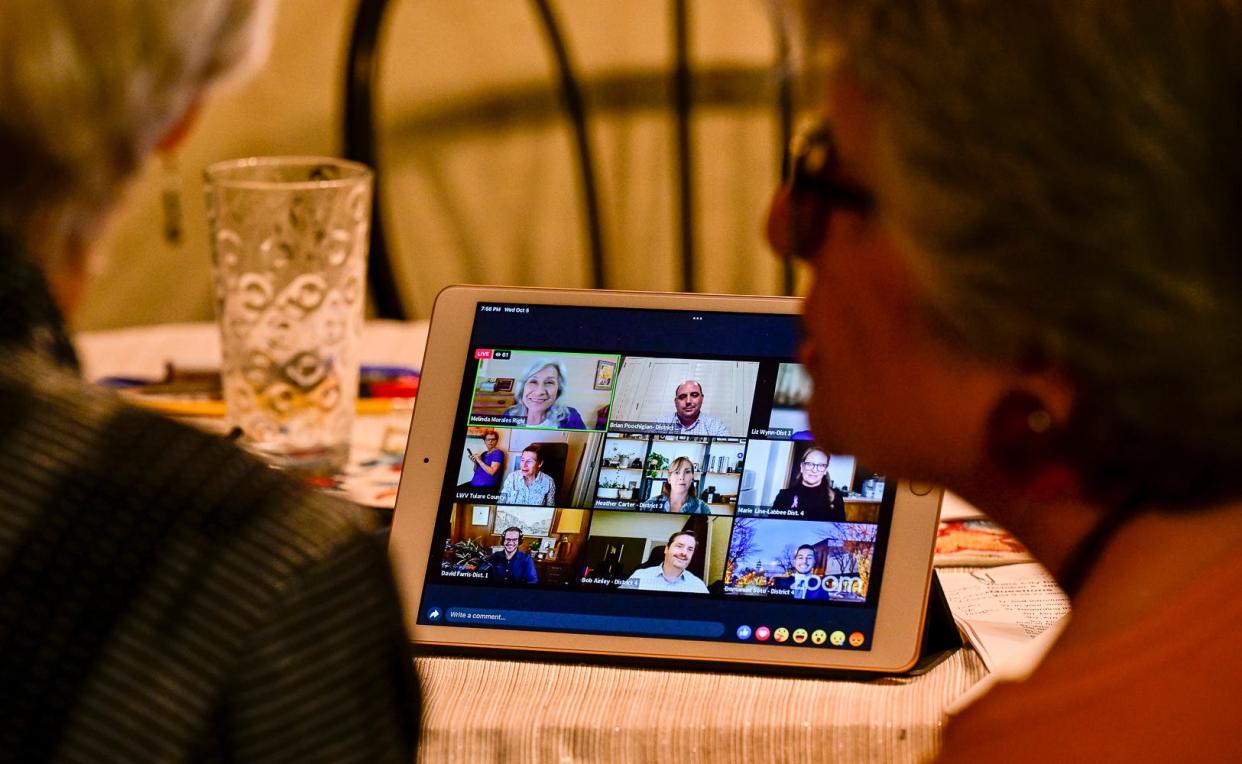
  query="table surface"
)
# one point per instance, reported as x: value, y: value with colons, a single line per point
x: 479, y: 709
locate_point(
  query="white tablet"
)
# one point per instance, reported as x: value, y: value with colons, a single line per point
x: 631, y: 475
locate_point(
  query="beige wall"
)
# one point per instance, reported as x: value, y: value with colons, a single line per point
x: 288, y: 107
x: 480, y: 183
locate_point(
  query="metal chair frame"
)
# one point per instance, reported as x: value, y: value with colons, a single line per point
x: 361, y: 145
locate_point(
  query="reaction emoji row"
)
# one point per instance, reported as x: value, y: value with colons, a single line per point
x: 798, y: 636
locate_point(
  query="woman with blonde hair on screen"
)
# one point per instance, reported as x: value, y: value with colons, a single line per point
x: 678, y: 494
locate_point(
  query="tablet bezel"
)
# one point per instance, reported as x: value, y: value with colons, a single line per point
x: 907, y: 573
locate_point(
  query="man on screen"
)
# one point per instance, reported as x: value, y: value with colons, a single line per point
x: 802, y: 584
x: 671, y: 576
x: 688, y: 416
x: 510, y: 566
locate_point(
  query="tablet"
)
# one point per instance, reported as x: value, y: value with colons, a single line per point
x: 631, y: 476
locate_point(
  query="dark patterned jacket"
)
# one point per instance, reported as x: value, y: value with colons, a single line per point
x: 164, y: 596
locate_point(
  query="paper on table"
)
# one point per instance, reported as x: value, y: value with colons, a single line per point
x: 954, y: 507
x: 1010, y: 614
x: 375, y: 460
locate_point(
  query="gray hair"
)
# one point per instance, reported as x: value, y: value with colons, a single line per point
x: 89, y: 88
x: 556, y: 412
x: 1070, y: 174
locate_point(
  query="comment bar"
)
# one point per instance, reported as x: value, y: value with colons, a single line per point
x: 663, y: 627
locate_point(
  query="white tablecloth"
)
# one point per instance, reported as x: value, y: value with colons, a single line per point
x: 483, y: 710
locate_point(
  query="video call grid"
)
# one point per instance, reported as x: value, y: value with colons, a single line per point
x: 609, y: 370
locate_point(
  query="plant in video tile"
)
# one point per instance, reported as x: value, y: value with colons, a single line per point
x: 468, y: 554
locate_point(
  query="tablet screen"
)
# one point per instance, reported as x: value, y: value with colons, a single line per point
x: 642, y: 472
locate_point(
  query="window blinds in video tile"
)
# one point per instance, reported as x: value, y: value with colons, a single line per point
x: 680, y: 396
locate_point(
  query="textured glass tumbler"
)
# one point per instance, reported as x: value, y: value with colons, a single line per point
x: 289, y: 255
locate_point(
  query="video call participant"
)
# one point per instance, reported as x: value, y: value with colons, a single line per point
x: 510, y: 565
x: 800, y: 582
x: 688, y: 416
x: 539, y: 389
x: 671, y: 575
x: 487, y: 465
x: 812, y: 491
x: 678, y: 493
x: 529, y: 485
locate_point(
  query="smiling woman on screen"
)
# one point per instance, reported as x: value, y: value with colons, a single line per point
x: 539, y: 392
x: 678, y: 492
x: 811, y: 491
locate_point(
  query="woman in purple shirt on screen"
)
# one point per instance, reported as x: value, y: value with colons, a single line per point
x: 487, y: 465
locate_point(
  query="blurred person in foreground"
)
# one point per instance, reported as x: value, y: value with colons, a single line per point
x: 1022, y: 220
x: 163, y: 596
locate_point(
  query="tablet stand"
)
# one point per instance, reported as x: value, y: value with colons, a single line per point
x: 940, y: 635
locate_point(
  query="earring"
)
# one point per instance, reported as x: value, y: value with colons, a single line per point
x: 170, y: 197
x: 1021, y: 434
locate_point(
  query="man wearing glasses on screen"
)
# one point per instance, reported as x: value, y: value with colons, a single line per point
x: 509, y: 565
x: 688, y: 417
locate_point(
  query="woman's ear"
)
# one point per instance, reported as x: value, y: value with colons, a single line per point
x: 1027, y: 439
x: 1021, y: 432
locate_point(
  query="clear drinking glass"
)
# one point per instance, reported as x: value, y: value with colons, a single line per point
x: 289, y: 254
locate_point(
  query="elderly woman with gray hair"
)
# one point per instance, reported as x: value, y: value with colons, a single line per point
x: 1022, y: 220
x: 539, y: 392
x: 163, y: 595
